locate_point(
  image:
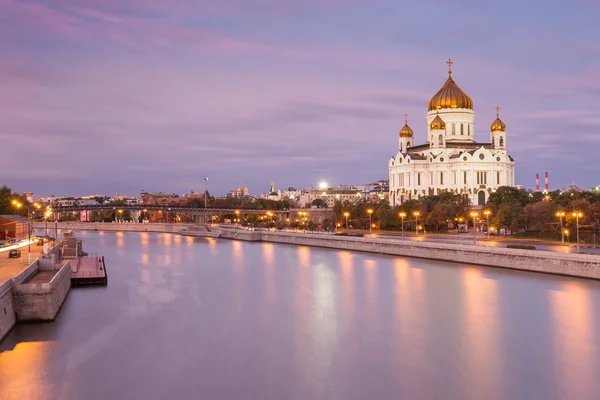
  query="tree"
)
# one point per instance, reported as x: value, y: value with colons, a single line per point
x: 319, y: 203
x: 540, y: 216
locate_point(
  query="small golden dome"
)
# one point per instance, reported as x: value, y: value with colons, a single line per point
x: 450, y: 95
x: 437, y: 123
x: 498, y: 125
x: 406, y: 131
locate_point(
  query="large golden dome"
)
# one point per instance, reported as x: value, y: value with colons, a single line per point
x: 406, y: 131
x: 450, y: 95
x: 498, y: 125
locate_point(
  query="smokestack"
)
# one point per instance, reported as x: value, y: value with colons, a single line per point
x: 546, y: 182
x: 537, y: 182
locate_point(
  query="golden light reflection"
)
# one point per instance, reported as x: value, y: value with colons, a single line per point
x: 304, y: 256
x: 189, y: 240
x: 347, y: 296
x: 575, y: 341
x: 238, y: 252
x: 482, y: 347
x: 120, y: 239
x: 167, y: 239
x: 177, y: 239
x: 269, y: 253
x: 145, y: 258
x: 30, y: 357
x: 370, y: 271
x: 145, y: 238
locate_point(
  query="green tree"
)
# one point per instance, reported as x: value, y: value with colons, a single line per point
x: 319, y: 203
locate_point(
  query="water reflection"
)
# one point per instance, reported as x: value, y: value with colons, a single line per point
x: 483, y: 350
x: 575, y: 341
x: 120, y: 239
x: 26, y: 356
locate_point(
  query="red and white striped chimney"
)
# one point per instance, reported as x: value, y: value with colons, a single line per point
x: 546, y: 182
x: 537, y: 182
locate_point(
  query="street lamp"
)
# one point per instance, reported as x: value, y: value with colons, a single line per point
x: 487, y: 215
x: 369, y: 211
x: 205, y: 182
x: 46, y: 215
x: 566, y: 232
x: 561, y: 215
x: 19, y: 205
x: 402, y: 215
x: 474, y: 215
x: 416, y: 214
x: 346, y: 214
x: 577, y: 215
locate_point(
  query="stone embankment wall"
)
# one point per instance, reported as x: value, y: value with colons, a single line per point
x: 578, y: 265
x: 7, y: 313
x: 41, y: 301
x: 114, y: 227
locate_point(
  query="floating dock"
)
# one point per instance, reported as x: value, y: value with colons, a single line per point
x: 90, y: 271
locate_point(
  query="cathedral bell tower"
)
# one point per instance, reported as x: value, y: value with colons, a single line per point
x: 437, y: 132
x: 406, y: 136
x: 498, y: 132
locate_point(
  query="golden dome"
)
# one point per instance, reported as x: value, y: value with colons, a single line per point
x: 437, y: 123
x: 450, y: 95
x: 406, y: 131
x: 498, y: 125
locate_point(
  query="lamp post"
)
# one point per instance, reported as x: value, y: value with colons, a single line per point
x: 205, y: 191
x: 346, y: 214
x: 369, y: 211
x: 46, y: 215
x: 561, y: 215
x: 416, y: 214
x: 566, y: 232
x: 577, y: 215
x: 17, y: 204
x: 402, y: 215
x: 487, y: 215
x: 474, y: 215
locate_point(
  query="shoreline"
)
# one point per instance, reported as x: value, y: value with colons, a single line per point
x: 565, y: 264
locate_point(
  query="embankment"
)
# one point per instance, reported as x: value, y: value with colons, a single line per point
x: 577, y: 265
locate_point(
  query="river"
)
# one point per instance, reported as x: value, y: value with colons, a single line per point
x: 186, y: 318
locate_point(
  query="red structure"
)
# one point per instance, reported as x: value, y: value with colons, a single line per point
x: 546, y: 187
x: 13, y: 227
x: 537, y: 182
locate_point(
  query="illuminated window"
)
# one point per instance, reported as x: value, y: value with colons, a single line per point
x: 441, y: 140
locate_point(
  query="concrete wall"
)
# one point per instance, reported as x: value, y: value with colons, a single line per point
x: 108, y: 226
x: 579, y: 265
x: 7, y: 313
x: 41, y: 301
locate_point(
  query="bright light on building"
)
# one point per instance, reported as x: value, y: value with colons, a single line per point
x: 322, y: 185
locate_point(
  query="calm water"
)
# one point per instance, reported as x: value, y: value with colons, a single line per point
x: 206, y: 319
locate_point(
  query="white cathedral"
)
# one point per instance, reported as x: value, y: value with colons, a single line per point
x: 451, y: 160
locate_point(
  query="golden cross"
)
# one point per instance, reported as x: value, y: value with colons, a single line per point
x: 497, y: 111
x: 406, y: 119
x: 449, y: 62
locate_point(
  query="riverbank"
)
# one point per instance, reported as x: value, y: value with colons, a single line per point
x: 576, y: 265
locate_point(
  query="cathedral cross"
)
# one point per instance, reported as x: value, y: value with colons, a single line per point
x: 449, y: 62
x: 497, y: 111
x: 406, y: 119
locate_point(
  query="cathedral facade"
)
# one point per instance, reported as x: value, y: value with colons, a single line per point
x: 451, y: 160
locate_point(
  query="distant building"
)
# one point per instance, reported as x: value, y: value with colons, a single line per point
x: 330, y: 195
x: 14, y: 227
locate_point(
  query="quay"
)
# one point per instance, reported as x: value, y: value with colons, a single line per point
x: 36, y: 290
x: 567, y: 264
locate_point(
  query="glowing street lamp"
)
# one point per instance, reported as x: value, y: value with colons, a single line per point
x: 566, y: 232
x: 416, y: 214
x: 577, y: 215
x: 19, y: 205
x: 369, y: 211
x: 402, y: 215
x: 346, y: 214
x: 474, y: 216
x: 487, y: 215
x: 560, y: 215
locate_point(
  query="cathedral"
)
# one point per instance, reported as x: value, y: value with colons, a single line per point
x: 451, y: 160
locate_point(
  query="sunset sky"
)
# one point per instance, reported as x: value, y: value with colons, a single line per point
x: 116, y: 96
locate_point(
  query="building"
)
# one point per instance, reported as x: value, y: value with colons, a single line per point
x: 451, y: 160
x: 13, y: 227
x: 330, y: 195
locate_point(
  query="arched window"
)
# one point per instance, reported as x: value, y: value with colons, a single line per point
x: 501, y: 141
x: 469, y: 129
x: 407, y: 145
x: 493, y: 142
x: 453, y: 129
x: 441, y: 140
x: 400, y: 147
x: 462, y: 129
